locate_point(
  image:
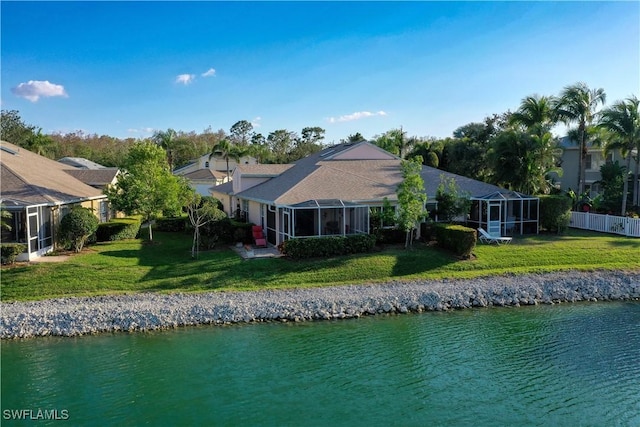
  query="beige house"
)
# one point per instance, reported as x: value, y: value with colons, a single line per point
x: 326, y: 193
x: 204, y: 172
x: 38, y: 192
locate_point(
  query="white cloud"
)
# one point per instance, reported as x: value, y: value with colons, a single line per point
x: 34, y: 89
x: 356, y: 116
x: 256, y: 122
x: 141, y: 130
x: 209, y: 73
x: 185, y: 79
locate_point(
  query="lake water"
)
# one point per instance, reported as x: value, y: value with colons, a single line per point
x: 567, y: 365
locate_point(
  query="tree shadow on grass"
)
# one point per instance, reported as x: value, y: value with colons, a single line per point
x: 171, y: 267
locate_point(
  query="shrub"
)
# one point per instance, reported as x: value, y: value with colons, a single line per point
x: 220, y: 230
x: 242, y: 231
x: 327, y: 246
x: 391, y: 236
x: 457, y: 238
x: 76, y: 227
x: 119, y: 229
x: 555, y: 212
x: 172, y: 224
x: 10, y: 251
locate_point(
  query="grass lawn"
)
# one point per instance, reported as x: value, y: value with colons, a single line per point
x: 166, y: 266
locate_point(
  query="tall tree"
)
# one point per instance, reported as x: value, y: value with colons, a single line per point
x: 354, y: 138
x: 13, y: 129
x: 38, y: 143
x: 223, y: 149
x: 411, y: 198
x: 578, y: 104
x: 165, y: 140
x: 259, y: 148
x: 201, y: 211
x: 241, y: 132
x: 395, y: 142
x: 522, y: 161
x: 622, y: 122
x: 281, y: 143
x: 309, y: 142
x: 146, y: 186
x: 535, y: 115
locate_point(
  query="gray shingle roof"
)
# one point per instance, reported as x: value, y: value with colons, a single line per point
x: 80, y: 163
x: 98, y: 178
x: 323, y: 176
x: 205, y: 174
x: 28, y: 179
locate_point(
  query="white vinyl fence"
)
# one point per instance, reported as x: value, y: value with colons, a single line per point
x: 606, y: 223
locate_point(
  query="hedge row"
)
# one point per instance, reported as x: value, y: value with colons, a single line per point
x: 118, y: 229
x: 172, y: 224
x: 328, y: 246
x: 457, y: 238
x: 555, y: 212
x: 10, y: 251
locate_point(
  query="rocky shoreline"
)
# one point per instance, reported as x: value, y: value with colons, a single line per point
x: 147, y: 311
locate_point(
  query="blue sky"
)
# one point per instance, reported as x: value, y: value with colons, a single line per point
x: 125, y: 69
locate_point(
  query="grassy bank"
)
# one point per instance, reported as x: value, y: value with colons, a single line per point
x: 166, y: 265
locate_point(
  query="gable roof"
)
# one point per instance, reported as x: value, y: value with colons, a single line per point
x: 205, y: 174
x: 31, y: 179
x: 80, y: 163
x: 359, y: 172
x: 98, y: 178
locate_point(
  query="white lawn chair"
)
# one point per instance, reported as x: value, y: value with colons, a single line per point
x: 488, y: 238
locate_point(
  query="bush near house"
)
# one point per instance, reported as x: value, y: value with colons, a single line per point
x: 457, y: 238
x: 216, y: 231
x: 77, y: 227
x: 328, y: 246
x: 10, y: 251
x: 555, y: 212
x: 119, y: 229
x: 242, y: 231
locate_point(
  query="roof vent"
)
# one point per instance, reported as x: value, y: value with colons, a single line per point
x: 8, y: 150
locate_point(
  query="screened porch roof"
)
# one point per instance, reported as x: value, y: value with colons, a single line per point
x: 324, y: 203
x: 505, y: 195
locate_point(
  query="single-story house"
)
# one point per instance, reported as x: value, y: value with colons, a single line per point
x: 329, y: 192
x: 38, y: 192
x: 91, y: 173
x: 208, y: 171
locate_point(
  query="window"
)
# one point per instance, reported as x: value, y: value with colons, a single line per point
x: 588, y: 162
x: 206, y: 165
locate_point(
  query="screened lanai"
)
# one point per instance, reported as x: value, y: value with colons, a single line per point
x: 505, y: 213
x: 315, y: 218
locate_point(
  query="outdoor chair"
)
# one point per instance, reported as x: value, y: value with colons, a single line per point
x: 488, y: 238
x: 258, y: 237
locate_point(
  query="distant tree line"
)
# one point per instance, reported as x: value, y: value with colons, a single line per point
x: 514, y: 150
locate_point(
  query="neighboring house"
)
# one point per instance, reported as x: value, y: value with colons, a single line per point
x: 329, y: 192
x: 98, y: 178
x: 91, y: 173
x: 595, y: 159
x: 81, y: 163
x: 38, y: 192
x: 204, y: 172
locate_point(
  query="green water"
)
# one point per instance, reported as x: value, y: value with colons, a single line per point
x: 569, y: 365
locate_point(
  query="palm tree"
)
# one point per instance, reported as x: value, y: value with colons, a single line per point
x: 166, y: 140
x: 577, y: 104
x: 622, y: 121
x: 535, y: 114
x: 222, y: 149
